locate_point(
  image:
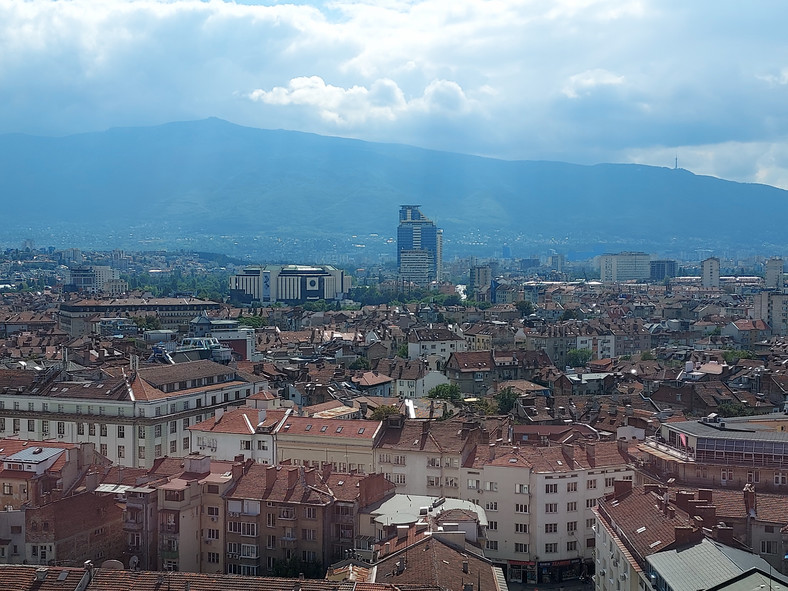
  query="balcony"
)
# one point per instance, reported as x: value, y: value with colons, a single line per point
x: 168, y: 528
x: 132, y: 525
x: 168, y: 554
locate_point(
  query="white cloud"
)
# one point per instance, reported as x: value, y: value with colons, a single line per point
x: 585, y: 82
x: 576, y: 80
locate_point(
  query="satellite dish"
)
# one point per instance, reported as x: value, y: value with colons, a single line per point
x: 134, y: 562
x: 112, y: 565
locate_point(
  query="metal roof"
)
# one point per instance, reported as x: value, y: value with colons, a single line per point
x: 732, y: 430
x: 35, y: 455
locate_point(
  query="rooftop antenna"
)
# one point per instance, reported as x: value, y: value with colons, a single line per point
x: 676, y: 163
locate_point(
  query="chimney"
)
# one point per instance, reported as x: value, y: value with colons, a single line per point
x: 671, y: 512
x: 750, y: 500
x: 569, y: 453
x: 218, y: 416
x: 683, y: 534
x: 432, y: 408
x: 591, y: 452
x: 425, y: 427
x: 623, y: 445
x: 708, y: 513
x: 651, y: 487
x: 706, y: 494
x: 386, y: 548
x: 683, y: 498
x: 723, y: 534
x: 292, y: 477
x: 465, y: 566
x: 621, y: 487
x: 492, y: 451
x: 261, y: 415
x: 692, y: 507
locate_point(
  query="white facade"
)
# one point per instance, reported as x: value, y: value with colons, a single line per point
x: 774, y: 273
x: 710, y: 272
x: 290, y: 283
x: 624, y: 266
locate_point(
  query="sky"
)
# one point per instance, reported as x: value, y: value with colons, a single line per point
x: 584, y: 81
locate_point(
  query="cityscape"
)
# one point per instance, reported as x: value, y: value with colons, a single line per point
x: 194, y: 415
x: 393, y: 296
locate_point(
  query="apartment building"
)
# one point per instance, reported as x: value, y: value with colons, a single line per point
x: 438, y: 342
x: 539, y: 503
x: 717, y: 452
x: 625, y: 266
x: 246, y: 430
x: 412, y: 378
x: 348, y: 445
x: 132, y: 416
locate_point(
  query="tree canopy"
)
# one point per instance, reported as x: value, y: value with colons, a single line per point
x: 446, y: 392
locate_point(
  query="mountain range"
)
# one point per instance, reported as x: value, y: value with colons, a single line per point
x: 214, y: 178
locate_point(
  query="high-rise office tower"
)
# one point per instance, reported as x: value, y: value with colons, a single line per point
x: 419, y: 247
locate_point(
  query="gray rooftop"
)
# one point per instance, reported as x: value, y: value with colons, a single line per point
x: 35, y: 455
x: 735, y: 428
x: 404, y: 509
x: 703, y: 565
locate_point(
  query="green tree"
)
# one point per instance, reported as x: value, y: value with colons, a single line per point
x: 402, y: 351
x: 252, y: 321
x: 525, y: 308
x: 148, y: 322
x: 732, y: 356
x: 646, y: 356
x: 505, y: 399
x: 360, y: 363
x: 578, y: 357
x: 381, y: 412
x: 446, y: 392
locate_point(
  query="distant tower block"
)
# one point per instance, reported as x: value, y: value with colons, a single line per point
x: 710, y: 272
x: 774, y: 273
x: 419, y: 247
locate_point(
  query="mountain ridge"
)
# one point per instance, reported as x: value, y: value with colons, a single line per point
x: 214, y: 176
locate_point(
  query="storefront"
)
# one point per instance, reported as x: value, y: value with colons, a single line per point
x: 521, y: 571
x: 556, y: 571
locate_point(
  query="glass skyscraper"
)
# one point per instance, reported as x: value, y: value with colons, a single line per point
x: 419, y: 246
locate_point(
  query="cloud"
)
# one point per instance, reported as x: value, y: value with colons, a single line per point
x: 575, y: 80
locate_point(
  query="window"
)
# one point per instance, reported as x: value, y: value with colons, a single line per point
x: 308, y: 556
x: 551, y: 528
x: 551, y: 548
x: 521, y: 489
x: 121, y: 451
x: 491, y: 505
x: 7, y: 488
x: 270, y: 542
x: 609, y: 482
x: 157, y: 431
x: 591, y: 483
x: 551, y: 508
x: 551, y: 488
x: 212, y: 511
x: 103, y: 449
x: 399, y: 479
x: 103, y: 430
x: 473, y: 484
x: 173, y: 446
x: 270, y: 519
x: 212, y: 534
x: 780, y: 478
x: 726, y: 474
x: 80, y: 428
x: 262, y: 445
x: 140, y: 432
x: 61, y: 428
x: 590, y: 503
x: 433, y: 462
x: 121, y: 432
x: 571, y: 526
x: 520, y: 508
x: 157, y: 450
x: 591, y: 522
x: 384, y: 458
x: 492, y: 544
x: 491, y: 486
x: 768, y: 547
x: 310, y: 535
x: 520, y: 548
x: 213, y: 557
x: 310, y: 513
x: 173, y: 427
x: 571, y: 506
x: 433, y: 480
x: 185, y: 443
x: 571, y: 546
x: 492, y: 525
x: 186, y: 423
x: 521, y: 528
x: 753, y: 476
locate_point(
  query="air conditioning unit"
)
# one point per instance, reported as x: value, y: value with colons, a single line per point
x: 232, y: 555
x: 623, y: 576
x: 214, y: 518
x: 615, y: 563
x: 602, y: 573
x: 208, y: 542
